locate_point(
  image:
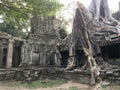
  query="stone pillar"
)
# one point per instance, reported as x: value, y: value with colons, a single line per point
x: 44, y: 55
x: 1, y: 53
x: 9, y: 54
x: 40, y: 54
x: 30, y: 54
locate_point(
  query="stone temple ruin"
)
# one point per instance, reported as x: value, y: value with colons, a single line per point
x: 10, y: 51
x: 47, y: 50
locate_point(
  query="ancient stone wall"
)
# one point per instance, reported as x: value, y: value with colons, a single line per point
x: 8, y: 47
x: 40, y: 48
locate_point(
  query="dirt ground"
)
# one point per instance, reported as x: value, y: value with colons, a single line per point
x: 66, y: 86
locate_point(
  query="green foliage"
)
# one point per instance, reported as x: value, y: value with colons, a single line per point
x: 11, y: 29
x: 18, y: 13
x: 15, y: 12
x: 44, y: 7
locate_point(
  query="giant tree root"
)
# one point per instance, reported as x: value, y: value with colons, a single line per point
x: 71, y: 63
x: 81, y: 27
x: 94, y: 68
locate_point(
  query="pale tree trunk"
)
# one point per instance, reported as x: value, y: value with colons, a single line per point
x: 100, y: 9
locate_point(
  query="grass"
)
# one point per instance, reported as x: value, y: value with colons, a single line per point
x: 73, y: 88
x: 52, y: 83
x: 45, y: 84
x: 111, y: 87
x: 38, y: 84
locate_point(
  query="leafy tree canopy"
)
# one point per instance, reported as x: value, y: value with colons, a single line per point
x: 11, y: 29
x: 19, y: 12
x: 44, y: 7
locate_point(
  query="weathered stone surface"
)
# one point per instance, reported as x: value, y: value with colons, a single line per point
x: 10, y: 53
x: 32, y: 74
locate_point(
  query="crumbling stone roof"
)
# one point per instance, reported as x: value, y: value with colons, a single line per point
x: 116, y: 15
x: 4, y: 35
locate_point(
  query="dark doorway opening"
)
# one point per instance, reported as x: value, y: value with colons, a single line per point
x: 65, y: 56
x: 80, y: 58
x: 4, y: 60
x: 51, y: 59
x: 16, y: 57
x: 111, y: 51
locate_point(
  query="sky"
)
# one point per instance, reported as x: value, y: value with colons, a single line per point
x: 113, y: 4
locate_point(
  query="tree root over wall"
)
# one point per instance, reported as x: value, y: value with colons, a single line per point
x: 83, y: 31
